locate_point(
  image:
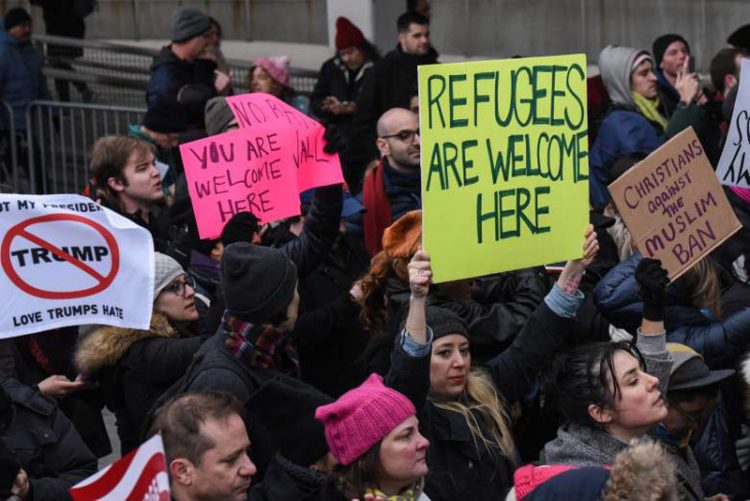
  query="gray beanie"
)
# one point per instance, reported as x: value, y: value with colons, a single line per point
x: 166, y: 269
x: 444, y: 322
x: 188, y: 23
x: 257, y: 282
x: 218, y: 115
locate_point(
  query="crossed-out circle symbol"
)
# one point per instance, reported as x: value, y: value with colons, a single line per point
x: 21, y: 230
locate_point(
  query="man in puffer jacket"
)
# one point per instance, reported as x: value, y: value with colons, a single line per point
x: 180, y: 83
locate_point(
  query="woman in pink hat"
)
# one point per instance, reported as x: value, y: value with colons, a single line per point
x: 271, y: 75
x: 373, y: 433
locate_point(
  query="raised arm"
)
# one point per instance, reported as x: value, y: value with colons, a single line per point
x: 410, y: 361
x: 514, y: 370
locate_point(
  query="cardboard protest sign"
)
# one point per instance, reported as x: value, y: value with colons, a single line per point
x: 260, y: 168
x: 67, y: 261
x: 504, y: 163
x: 301, y: 136
x: 734, y: 165
x: 673, y: 205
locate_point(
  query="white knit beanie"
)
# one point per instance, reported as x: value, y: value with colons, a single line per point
x: 166, y: 269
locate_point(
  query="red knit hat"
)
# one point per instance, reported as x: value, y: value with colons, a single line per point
x: 362, y: 417
x: 347, y: 35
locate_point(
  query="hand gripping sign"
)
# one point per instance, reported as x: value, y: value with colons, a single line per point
x: 68, y: 261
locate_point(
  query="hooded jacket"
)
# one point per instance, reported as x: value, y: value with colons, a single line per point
x: 624, y: 129
x: 135, y: 367
x: 21, y: 78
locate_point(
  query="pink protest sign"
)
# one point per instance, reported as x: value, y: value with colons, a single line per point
x: 241, y: 171
x: 263, y: 112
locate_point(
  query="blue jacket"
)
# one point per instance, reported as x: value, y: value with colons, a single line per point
x: 170, y: 75
x: 622, y: 132
x: 722, y: 343
x: 21, y: 79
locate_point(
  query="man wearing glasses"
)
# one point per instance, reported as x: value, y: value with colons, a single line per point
x: 691, y: 401
x: 392, y: 188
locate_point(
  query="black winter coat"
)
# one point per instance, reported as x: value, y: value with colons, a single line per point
x: 62, y: 20
x: 391, y: 84
x: 306, y: 251
x: 459, y: 469
x: 135, y: 367
x: 336, y: 80
x: 169, y: 74
x: 45, y: 443
x: 286, y: 481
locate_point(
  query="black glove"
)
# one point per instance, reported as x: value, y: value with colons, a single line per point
x: 653, y: 280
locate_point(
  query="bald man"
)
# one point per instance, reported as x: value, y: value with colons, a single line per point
x: 392, y: 188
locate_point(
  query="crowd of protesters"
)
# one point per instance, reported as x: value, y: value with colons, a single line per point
x: 314, y: 359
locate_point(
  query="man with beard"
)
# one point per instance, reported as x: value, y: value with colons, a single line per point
x: 392, y: 188
x: 390, y: 84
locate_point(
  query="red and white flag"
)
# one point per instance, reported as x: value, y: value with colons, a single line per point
x: 139, y: 476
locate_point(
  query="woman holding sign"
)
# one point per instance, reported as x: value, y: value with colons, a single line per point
x: 463, y: 411
x: 636, y: 122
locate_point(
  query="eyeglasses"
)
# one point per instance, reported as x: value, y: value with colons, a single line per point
x: 179, y: 286
x: 695, y: 418
x: 406, y: 135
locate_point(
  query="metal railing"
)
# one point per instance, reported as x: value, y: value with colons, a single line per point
x: 59, y: 139
x: 118, y: 73
x: 8, y: 146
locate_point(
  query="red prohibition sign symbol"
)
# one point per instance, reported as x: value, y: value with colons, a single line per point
x: 20, y: 230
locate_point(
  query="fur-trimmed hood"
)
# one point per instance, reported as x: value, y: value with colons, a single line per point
x: 106, y: 345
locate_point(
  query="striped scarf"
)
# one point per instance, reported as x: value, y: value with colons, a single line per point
x: 261, y: 345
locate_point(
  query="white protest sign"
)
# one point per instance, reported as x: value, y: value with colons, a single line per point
x: 65, y: 260
x: 734, y: 165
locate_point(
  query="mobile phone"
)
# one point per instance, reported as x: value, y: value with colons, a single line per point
x: 689, y: 65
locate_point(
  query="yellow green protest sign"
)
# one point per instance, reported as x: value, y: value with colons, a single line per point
x: 504, y: 162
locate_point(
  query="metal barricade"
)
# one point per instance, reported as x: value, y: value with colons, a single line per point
x: 8, y: 145
x: 60, y: 137
x: 118, y: 73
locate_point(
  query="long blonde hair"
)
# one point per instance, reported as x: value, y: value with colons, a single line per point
x: 480, y: 398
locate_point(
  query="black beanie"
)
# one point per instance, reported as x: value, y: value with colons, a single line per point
x: 257, y: 282
x: 444, y: 322
x: 740, y: 39
x: 663, y: 42
x: 16, y: 16
x: 239, y: 228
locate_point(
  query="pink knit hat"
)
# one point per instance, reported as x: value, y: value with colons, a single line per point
x: 362, y: 417
x: 277, y: 67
